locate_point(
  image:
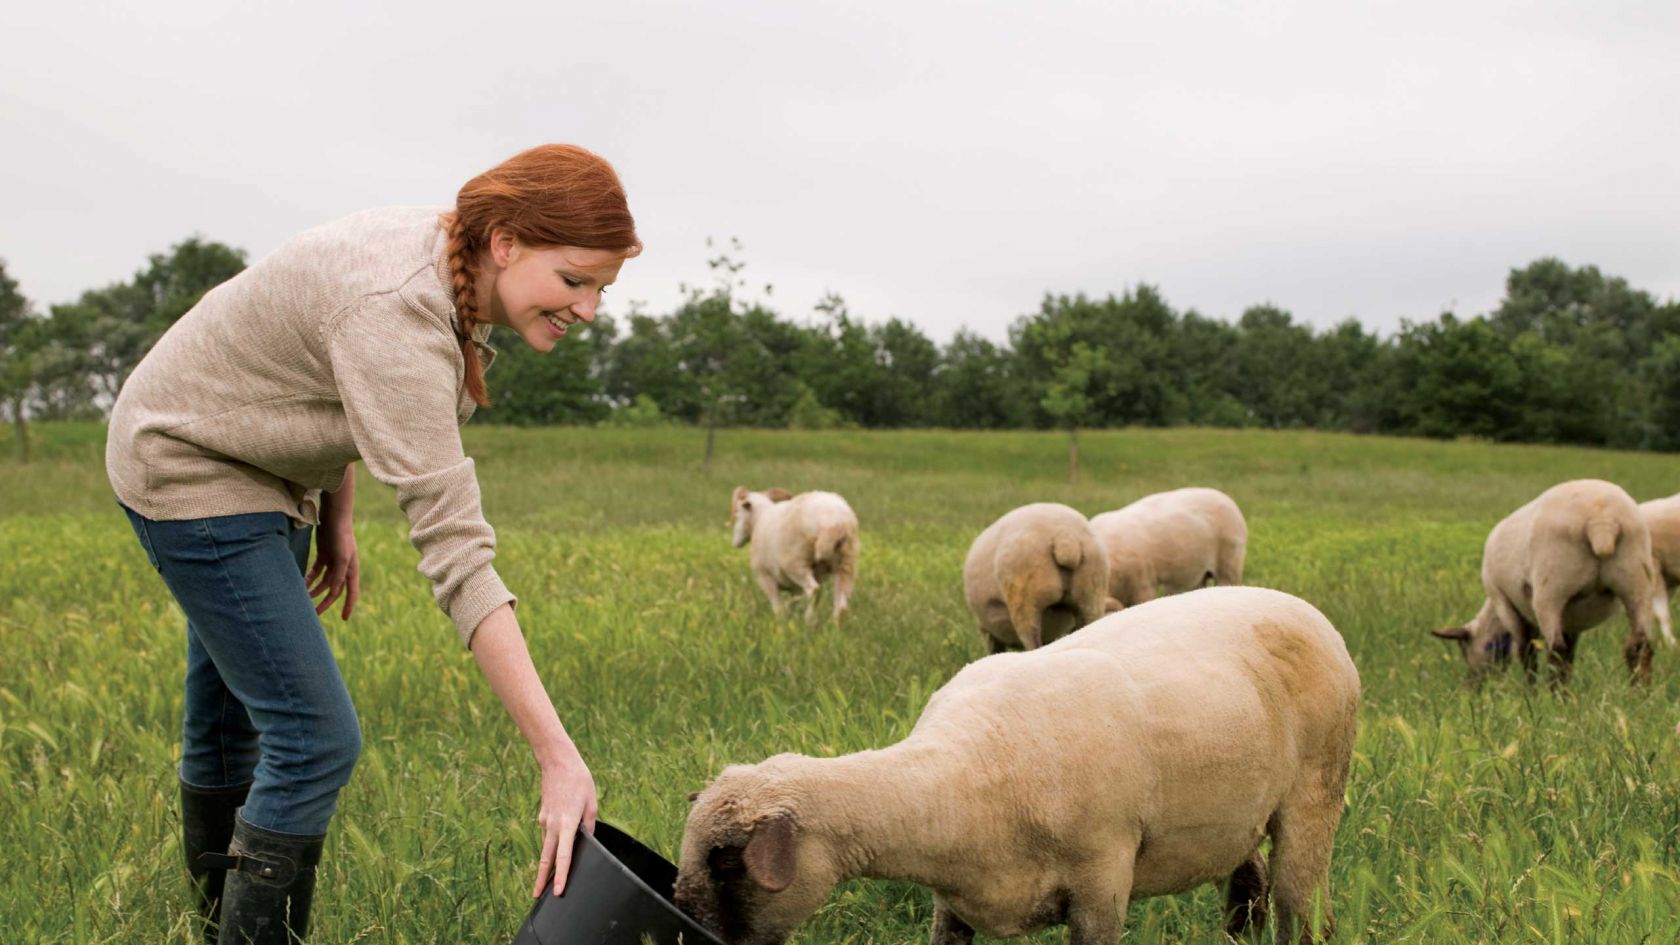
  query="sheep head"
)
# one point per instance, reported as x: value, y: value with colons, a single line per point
x: 743, y: 505
x: 741, y: 514
x: 748, y: 872
x: 1483, y: 642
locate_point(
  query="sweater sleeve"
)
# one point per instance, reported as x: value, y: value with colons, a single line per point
x: 396, y: 373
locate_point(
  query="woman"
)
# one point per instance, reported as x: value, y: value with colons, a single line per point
x: 233, y: 441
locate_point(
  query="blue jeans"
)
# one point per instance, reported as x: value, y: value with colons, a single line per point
x: 265, y: 703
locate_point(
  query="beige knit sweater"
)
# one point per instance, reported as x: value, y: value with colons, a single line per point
x: 339, y: 346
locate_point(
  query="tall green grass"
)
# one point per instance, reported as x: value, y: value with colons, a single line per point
x: 1505, y: 815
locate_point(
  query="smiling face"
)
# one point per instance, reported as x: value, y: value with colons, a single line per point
x: 541, y: 291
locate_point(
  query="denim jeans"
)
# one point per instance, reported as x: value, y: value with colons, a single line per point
x: 265, y: 704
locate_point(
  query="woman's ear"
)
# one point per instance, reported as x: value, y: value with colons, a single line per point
x: 501, y: 246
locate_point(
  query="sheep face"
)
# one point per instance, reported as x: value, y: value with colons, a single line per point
x: 1483, y: 646
x: 748, y: 881
x: 741, y: 516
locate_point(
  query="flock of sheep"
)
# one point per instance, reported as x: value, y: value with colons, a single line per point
x: 1148, y: 753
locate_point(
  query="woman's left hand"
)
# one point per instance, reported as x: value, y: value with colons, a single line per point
x: 337, y: 571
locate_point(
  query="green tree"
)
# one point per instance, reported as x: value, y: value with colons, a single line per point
x: 976, y: 386
x: 1135, y: 383
x: 711, y: 337
x: 20, y: 336
x: 105, y: 333
x: 564, y: 386
x: 1662, y: 369
x: 1068, y: 397
x: 1457, y: 378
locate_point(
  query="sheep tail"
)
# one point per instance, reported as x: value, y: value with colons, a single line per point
x: 1602, y: 534
x: 1068, y: 551
x: 831, y: 543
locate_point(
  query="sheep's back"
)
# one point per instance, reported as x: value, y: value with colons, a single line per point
x: 1226, y: 677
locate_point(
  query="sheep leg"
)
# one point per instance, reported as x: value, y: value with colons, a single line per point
x: 1229, y: 570
x: 994, y: 646
x: 1637, y: 650
x: 845, y: 573
x: 1548, y: 612
x: 1528, y: 646
x: 1245, y: 898
x: 1303, y: 831
x: 810, y: 591
x: 1517, y: 632
x: 1028, y: 621
x: 948, y: 928
x: 1659, y: 609
x: 1098, y: 920
x: 772, y: 590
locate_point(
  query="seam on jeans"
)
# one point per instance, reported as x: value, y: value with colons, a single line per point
x: 221, y: 726
x: 262, y: 644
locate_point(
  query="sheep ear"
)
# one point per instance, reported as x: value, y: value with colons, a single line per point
x: 778, y: 495
x: 770, y: 855
x: 693, y: 796
x: 1452, y: 633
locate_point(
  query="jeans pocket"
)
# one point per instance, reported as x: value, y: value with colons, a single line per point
x: 145, y: 536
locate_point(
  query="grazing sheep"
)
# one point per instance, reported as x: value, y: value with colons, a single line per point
x: 797, y: 541
x: 1556, y: 567
x: 1035, y: 575
x: 1147, y: 754
x: 1171, y: 542
x: 1662, y: 520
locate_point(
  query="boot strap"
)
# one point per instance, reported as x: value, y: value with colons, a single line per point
x: 269, y: 868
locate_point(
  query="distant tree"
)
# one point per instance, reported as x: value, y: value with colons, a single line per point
x: 1135, y: 382
x: 642, y: 412
x: 1071, y: 395
x: 564, y: 386
x: 1662, y: 368
x: 1458, y: 378
x: 105, y: 333
x: 20, y: 336
x: 1275, y: 370
x: 645, y: 361
x: 1203, y: 359
x: 976, y: 386
x: 718, y: 340
x: 1354, y: 367
x: 808, y: 413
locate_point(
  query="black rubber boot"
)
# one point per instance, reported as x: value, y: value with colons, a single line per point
x: 270, y: 886
x: 207, y: 827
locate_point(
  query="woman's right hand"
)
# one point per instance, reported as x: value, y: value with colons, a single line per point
x: 568, y: 790
x: 568, y: 802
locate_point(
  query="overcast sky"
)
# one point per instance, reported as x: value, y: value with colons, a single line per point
x: 947, y: 163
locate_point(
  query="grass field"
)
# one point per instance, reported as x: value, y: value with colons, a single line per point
x: 1505, y: 815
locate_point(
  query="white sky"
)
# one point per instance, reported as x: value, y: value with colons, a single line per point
x: 947, y: 163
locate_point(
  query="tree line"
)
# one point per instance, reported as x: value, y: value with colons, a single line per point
x: 1570, y: 355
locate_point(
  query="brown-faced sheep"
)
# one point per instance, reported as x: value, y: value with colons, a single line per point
x: 797, y: 542
x: 1036, y: 574
x: 1147, y: 754
x: 1172, y: 542
x: 1556, y: 567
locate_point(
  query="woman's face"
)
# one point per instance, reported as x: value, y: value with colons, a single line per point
x: 540, y: 292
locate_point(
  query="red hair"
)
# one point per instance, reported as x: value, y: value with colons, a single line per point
x: 551, y: 195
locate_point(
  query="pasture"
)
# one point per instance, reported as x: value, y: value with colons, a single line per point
x: 1506, y: 815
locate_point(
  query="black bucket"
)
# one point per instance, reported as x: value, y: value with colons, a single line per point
x: 618, y: 893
